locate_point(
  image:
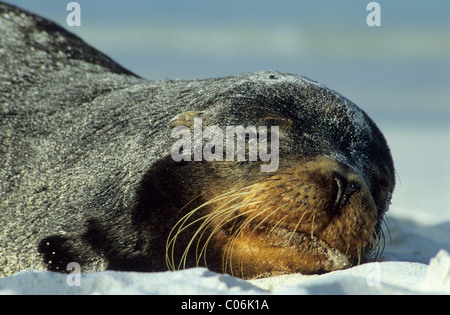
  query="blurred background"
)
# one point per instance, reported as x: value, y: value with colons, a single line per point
x: 399, y: 72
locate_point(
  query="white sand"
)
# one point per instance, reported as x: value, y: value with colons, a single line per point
x: 373, y: 278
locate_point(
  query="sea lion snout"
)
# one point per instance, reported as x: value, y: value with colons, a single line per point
x: 314, y: 214
x: 345, y: 187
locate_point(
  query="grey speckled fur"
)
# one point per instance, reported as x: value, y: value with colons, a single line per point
x: 78, y: 131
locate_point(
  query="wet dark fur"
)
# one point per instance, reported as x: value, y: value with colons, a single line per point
x: 87, y: 176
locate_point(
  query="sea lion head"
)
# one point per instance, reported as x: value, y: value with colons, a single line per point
x: 303, y: 188
x: 319, y: 210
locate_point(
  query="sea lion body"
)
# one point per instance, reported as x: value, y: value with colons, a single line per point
x: 87, y: 174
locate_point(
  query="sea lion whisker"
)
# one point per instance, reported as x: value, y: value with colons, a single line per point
x: 230, y: 245
x: 223, y: 223
x: 181, y: 227
x: 216, y: 199
x: 385, y: 220
x: 373, y: 246
x: 380, y: 243
x: 359, y: 253
x: 170, y: 240
x: 312, y: 224
x: 228, y: 254
x: 313, y: 215
x: 227, y: 214
x: 377, y: 245
x: 262, y: 221
x: 238, y: 232
x: 297, y: 225
x: 347, y: 250
x: 189, y: 202
x: 242, y: 267
x: 279, y: 222
x: 207, y: 220
x: 203, y: 228
x: 245, y: 204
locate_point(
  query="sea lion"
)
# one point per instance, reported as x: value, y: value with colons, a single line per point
x: 87, y: 173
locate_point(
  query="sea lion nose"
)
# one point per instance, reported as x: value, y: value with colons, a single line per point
x: 345, y: 189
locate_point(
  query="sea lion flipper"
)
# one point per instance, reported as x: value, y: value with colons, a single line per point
x: 59, y: 251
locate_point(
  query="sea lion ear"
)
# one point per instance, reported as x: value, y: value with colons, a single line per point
x: 185, y: 119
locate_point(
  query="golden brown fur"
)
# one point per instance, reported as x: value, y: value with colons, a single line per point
x: 285, y: 222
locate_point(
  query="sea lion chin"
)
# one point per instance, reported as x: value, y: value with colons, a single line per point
x: 88, y: 173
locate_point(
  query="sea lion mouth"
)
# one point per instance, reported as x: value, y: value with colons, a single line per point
x: 333, y: 258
